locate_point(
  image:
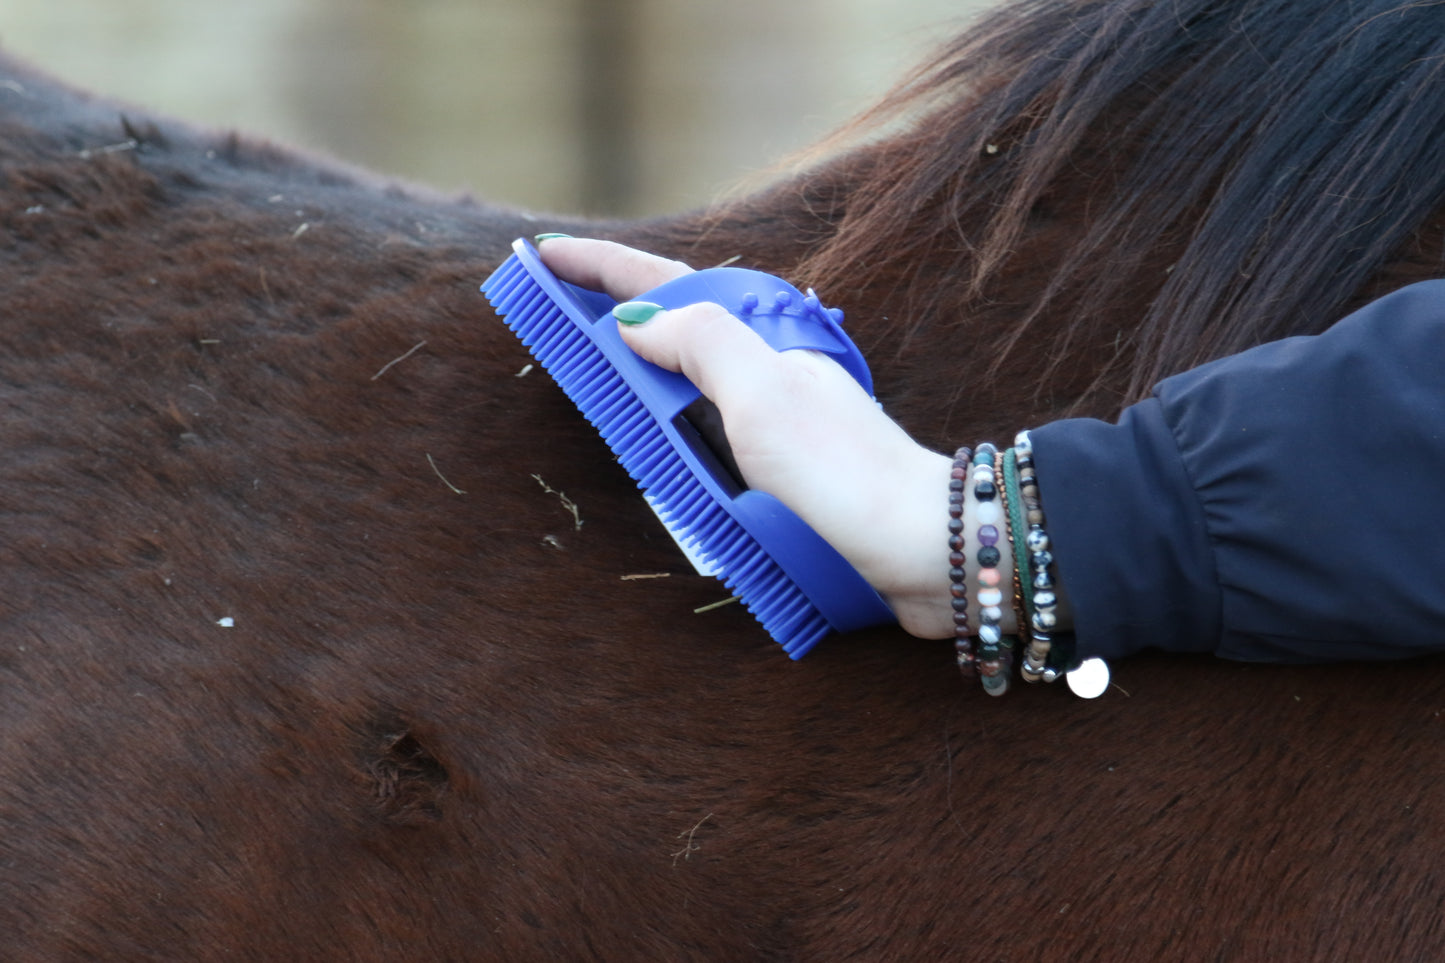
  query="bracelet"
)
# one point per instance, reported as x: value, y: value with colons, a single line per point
x: 1006, y: 493
x: 1041, y: 601
x: 957, y: 562
x: 1034, y: 653
x: 1009, y: 502
x: 1088, y: 678
x: 993, y: 669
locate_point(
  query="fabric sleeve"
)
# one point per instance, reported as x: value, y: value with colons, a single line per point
x: 1286, y: 504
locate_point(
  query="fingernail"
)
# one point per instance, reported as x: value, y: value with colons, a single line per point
x: 547, y: 237
x: 635, y: 312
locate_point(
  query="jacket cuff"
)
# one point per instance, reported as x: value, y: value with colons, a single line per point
x: 1130, y: 544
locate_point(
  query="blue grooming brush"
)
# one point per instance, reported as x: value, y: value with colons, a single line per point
x: 793, y: 582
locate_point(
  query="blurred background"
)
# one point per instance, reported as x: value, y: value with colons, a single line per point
x: 626, y: 107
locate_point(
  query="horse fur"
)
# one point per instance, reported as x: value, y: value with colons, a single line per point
x: 441, y: 725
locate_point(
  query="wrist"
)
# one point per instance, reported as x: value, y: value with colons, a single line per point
x: 914, y: 582
x: 913, y: 574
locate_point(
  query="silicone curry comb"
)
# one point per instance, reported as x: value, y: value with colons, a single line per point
x: 786, y: 575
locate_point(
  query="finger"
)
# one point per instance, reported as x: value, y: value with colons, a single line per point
x: 615, y: 269
x: 715, y: 351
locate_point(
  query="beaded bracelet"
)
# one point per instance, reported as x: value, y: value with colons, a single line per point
x: 1005, y: 486
x: 1041, y: 601
x: 993, y: 670
x: 1088, y: 678
x: 957, y: 561
x: 1040, y: 644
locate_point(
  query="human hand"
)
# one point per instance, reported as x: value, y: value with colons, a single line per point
x: 800, y: 428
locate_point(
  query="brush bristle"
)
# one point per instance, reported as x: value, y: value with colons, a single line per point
x: 644, y: 450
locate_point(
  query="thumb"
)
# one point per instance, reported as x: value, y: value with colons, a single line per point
x: 714, y: 350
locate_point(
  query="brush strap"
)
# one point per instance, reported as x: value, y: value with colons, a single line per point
x: 793, y: 581
x: 786, y: 318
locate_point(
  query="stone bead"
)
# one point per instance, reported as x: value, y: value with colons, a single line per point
x: 990, y: 613
x: 989, y: 556
x: 1044, y: 620
x: 988, y: 535
x: 958, y: 590
x: 988, y: 577
x: 955, y: 526
x: 960, y: 621
x: 1041, y: 560
x: 957, y: 559
x: 1045, y: 599
x: 983, y: 455
x: 955, y: 543
x: 955, y: 484
x: 990, y: 597
x: 1043, y: 580
x: 957, y: 574
x: 988, y: 513
x: 960, y: 605
x: 1037, y: 540
x: 1035, y: 516
x: 989, y: 634
x: 985, y: 490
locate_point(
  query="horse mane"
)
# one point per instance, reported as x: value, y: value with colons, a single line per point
x: 1231, y: 174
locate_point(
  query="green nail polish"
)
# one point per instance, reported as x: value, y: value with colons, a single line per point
x: 547, y: 237
x: 635, y: 312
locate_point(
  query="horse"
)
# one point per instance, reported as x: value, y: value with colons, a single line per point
x: 329, y: 630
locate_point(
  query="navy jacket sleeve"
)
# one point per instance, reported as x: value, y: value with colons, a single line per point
x: 1286, y: 504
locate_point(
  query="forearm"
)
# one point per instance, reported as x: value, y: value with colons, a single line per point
x: 1282, y: 504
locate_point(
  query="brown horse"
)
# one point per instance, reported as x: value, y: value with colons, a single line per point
x: 304, y: 656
